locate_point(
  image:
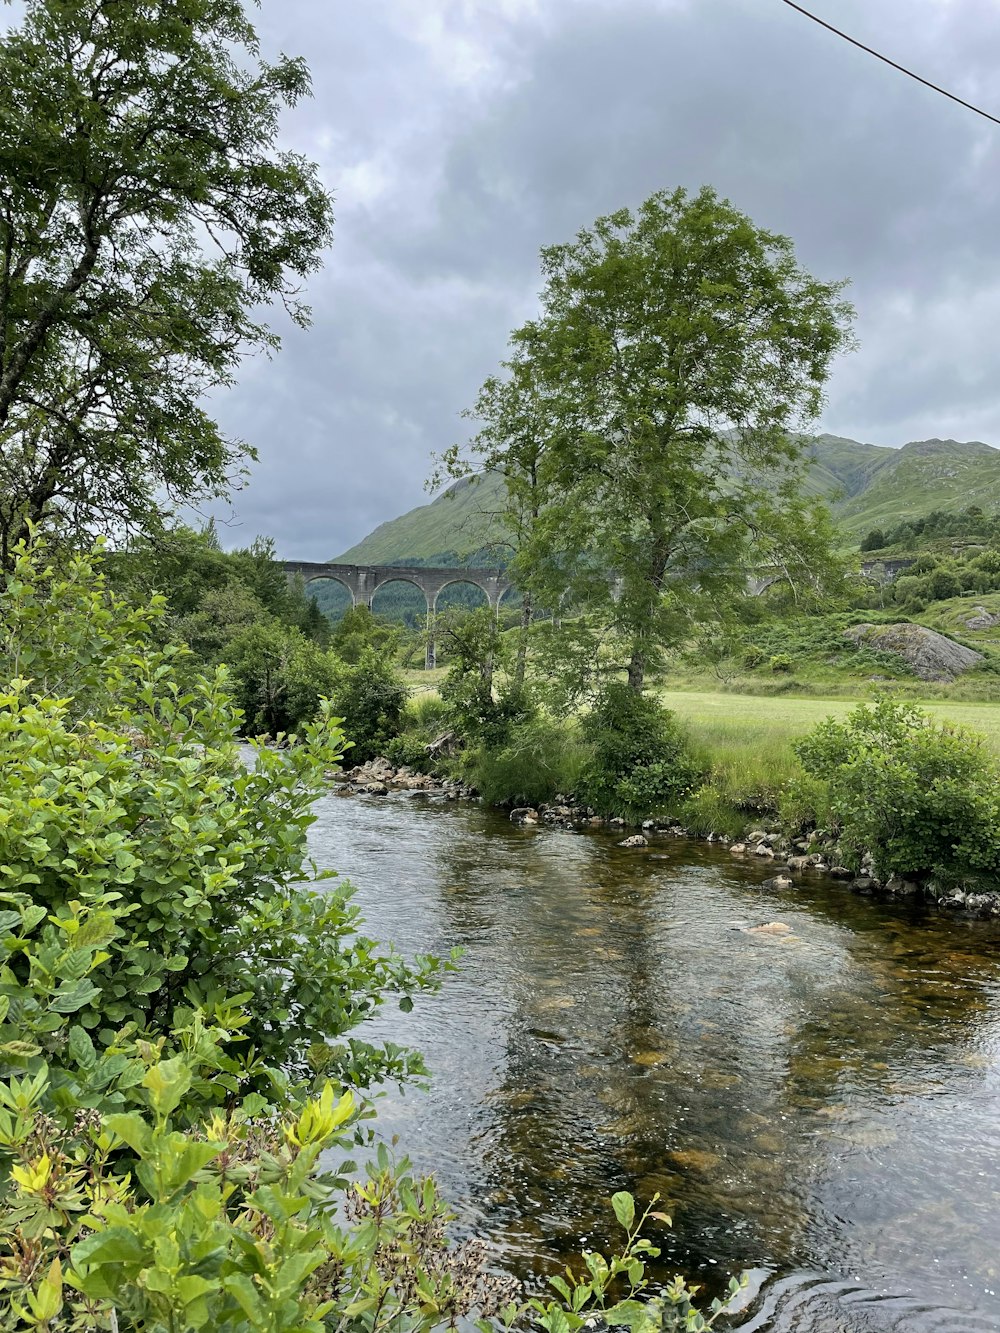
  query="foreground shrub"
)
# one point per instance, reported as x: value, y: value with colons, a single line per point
x: 117, y: 781
x: 639, y: 761
x: 922, y: 797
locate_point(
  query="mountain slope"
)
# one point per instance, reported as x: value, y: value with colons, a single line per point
x: 866, y: 485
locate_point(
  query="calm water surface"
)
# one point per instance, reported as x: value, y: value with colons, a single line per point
x: 821, y: 1106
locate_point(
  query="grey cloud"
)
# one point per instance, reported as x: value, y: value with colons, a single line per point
x: 460, y: 138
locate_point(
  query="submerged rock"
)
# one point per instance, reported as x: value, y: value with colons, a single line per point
x: 524, y: 814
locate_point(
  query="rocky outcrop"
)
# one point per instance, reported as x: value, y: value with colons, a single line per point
x: 983, y: 619
x: 931, y: 656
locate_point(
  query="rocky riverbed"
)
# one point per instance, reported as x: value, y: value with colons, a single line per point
x: 795, y: 860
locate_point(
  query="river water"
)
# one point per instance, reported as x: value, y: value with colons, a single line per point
x: 820, y: 1105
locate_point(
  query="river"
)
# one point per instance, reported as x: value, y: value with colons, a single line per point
x: 819, y: 1105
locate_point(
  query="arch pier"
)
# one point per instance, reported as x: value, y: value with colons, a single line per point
x: 364, y: 581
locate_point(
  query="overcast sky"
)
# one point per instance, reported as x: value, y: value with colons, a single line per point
x: 459, y: 136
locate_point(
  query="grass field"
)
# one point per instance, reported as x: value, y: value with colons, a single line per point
x: 757, y: 719
x: 745, y: 741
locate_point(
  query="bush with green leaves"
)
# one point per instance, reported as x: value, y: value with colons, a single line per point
x: 278, y: 677
x: 639, y: 763
x: 921, y: 796
x: 118, y: 780
x: 370, y: 696
x: 540, y: 759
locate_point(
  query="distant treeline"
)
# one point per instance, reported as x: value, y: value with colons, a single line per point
x: 940, y: 523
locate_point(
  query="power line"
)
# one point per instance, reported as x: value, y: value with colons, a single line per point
x: 885, y: 59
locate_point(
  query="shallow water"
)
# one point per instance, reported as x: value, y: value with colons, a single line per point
x: 820, y: 1105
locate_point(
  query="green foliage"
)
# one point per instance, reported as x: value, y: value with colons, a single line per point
x: 874, y: 540
x: 618, y: 1290
x: 621, y: 498
x: 278, y: 677
x: 540, y: 759
x: 482, y: 706
x: 408, y: 750
x: 370, y: 696
x: 639, y: 760
x: 118, y: 781
x: 816, y: 642
x: 358, y: 630
x: 920, y: 796
x: 130, y: 134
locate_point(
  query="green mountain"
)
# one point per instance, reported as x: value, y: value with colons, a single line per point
x: 866, y: 485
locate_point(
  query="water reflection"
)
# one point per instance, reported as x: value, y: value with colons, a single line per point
x: 821, y: 1098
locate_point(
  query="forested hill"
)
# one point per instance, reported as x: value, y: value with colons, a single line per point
x: 867, y: 486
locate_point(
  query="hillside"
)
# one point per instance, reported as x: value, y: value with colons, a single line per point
x: 867, y: 486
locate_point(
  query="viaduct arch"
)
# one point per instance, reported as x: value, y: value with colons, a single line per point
x: 364, y: 581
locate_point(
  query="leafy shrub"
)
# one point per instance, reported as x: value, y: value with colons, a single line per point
x: 922, y: 797
x: 541, y: 758
x: 780, y: 662
x: 118, y: 782
x: 278, y: 677
x: 369, y: 695
x: 408, y: 751
x: 639, y: 757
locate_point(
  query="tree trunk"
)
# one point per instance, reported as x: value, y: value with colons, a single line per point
x: 522, y: 647
x: 637, y: 670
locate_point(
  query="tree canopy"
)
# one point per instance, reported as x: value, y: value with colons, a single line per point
x: 147, y: 218
x: 647, y: 420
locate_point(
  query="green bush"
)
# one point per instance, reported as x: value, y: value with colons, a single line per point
x: 922, y: 797
x: 119, y: 782
x: 408, y: 751
x: 278, y: 677
x: 541, y: 759
x: 369, y: 695
x: 780, y: 662
x: 639, y: 762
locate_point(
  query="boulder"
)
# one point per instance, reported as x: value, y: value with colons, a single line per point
x: 374, y: 789
x: 840, y: 872
x: 762, y: 849
x: 932, y: 656
x: 901, y: 888
x: 796, y: 864
x: 738, y: 848
x: 863, y: 884
x: 524, y: 814
x: 636, y: 840
x: 779, y: 882
x: 983, y: 619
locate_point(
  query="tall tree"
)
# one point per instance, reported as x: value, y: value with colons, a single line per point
x: 677, y: 354
x: 147, y: 216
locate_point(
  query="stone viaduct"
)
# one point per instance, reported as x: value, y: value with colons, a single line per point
x: 364, y: 581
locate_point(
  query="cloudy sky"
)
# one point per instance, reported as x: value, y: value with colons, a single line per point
x: 461, y: 135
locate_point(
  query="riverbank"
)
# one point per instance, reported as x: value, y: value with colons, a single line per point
x: 796, y: 861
